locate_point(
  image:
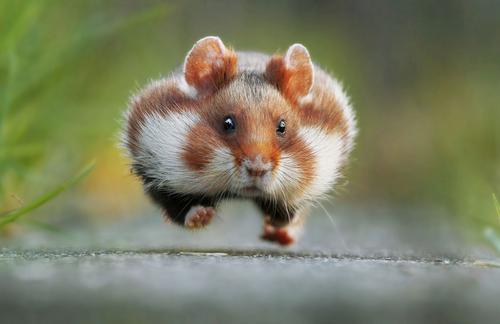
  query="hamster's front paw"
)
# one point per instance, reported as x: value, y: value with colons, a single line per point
x: 280, y: 235
x: 198, y: 217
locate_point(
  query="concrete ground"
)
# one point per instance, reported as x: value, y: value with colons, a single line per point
x: 369, y: 265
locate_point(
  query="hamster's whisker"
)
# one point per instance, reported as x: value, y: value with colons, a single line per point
x: 335, y: 227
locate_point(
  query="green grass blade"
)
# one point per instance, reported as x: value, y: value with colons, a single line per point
x: 497, y: 205
x: 15, y: 214
x: 489, y: 233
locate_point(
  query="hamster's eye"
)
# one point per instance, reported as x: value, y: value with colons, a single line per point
x: 281, y: 128
x: 229, y: 124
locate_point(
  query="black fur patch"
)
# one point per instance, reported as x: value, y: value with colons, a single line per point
x: 177, y: 205
x: 279, y: 213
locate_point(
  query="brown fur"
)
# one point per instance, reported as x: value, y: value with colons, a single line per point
x: 324, y: 109
x: 200, y: 145
x: 294, y: 81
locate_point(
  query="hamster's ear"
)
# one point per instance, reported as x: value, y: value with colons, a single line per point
x: 293, y: 73
x: 209, y: 65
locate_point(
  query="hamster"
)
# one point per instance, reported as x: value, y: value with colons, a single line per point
x: 274, y: 129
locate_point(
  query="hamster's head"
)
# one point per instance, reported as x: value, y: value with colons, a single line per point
x: 253, y: 125
x: 248, y: 128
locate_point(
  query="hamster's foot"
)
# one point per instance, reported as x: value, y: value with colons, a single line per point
x: 199, y: 216
x: 279, y: 235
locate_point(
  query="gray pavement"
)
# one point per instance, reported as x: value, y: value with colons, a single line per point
x: 373, y: 265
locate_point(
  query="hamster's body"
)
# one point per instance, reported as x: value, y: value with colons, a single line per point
x: 274, y: 129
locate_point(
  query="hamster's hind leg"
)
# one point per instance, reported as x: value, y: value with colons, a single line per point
x: 282, y: 225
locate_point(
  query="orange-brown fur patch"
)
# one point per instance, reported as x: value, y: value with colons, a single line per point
x: 300, y: 74
x: 205, y: 73
x: 324, y: 110
x: 294, y: 82
x: 200, y: 144
x: 276, y: 71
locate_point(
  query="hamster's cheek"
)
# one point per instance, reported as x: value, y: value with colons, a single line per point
x: 200, y: 142
x: 287, y: 176
x: 206, y: 155
x: 297, y: 167
x: 326, y: 152
x: 162, y: 140
x: 182, y: 152
x: 221, y: 173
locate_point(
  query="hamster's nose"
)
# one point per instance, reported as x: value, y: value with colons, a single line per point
x: 256, y: 172
x: 257, y: 167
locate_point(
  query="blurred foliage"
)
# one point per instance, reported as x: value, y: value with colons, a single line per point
x: 42, y: 61
x: 423, y: 77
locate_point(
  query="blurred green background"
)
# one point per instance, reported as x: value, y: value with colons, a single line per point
x: 424, y: 78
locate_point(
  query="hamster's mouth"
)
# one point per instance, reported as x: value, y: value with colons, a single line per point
x: 251, y: 190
